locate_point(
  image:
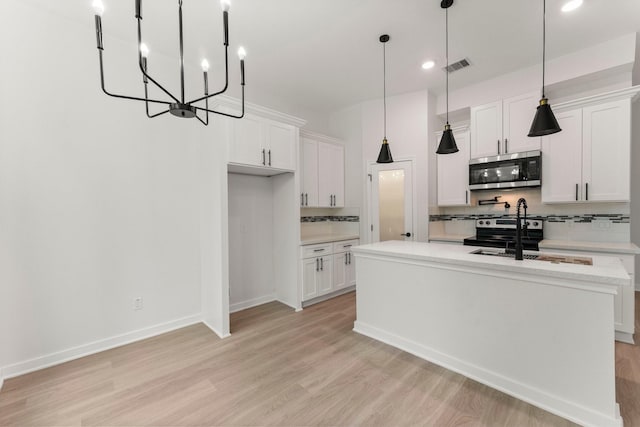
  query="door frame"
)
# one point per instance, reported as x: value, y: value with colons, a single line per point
x: 414, y: 196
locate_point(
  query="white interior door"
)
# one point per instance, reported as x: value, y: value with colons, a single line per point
x: 391, y: 201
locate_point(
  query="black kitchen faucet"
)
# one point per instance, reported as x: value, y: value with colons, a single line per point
x: 519, y: 227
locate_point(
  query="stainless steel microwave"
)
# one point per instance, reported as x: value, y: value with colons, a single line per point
x: 506, y: 171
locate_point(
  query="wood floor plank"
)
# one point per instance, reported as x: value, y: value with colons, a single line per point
x: 278, y: 368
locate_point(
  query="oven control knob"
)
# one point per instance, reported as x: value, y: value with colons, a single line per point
x: 488, y: 222
x: 481, y: 222
x: 535, y: 224
x: 528, y: 223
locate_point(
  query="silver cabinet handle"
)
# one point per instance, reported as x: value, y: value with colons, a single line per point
x: 466, y: 197
x: 346, y: 246
x: 318, y: 250
x: 349, y: 253
x: 269, y: 157
x: 301, y: 199
x: 586, y: 191
x: 321, y: 264
x: 317, y: 264
x: 306, y: 199
x: 346, y: 258
x: 263, y: 158
x: 576, y: 192
x: 498, y: 146
x: 506, y: 147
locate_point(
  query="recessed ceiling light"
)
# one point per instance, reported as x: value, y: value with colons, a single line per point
x: 571, y: 5
x: 428, y: 65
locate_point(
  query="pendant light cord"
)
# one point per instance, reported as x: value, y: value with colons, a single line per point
x: 384, y: 86
x: 544, y: 39
x: 446, y: 70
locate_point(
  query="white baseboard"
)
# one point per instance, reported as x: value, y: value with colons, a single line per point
x: 540, y: 398
x: 243, y: 305
x: 215, y: 331
x: 63, y: 356
x: 1, y: 379
x: 328, y: 296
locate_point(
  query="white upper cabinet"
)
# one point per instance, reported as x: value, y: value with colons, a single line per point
x: 589, y: 160
x: 518, y: 114
x: 453, y: 172
x: 606, y: 157
x: 261, y: 142
x: 280, y: 145
x: 322, y: 175
x: 331, y: 180
x: 309, y: 181
x: 562, y: 160
x: 502, y: 127
x: 486, y: 130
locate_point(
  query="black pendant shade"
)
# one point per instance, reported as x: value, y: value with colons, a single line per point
x: 385, y: 153
x: 544, y: 122
x: 447, y: 142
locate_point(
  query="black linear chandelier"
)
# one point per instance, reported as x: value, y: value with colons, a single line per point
x: 179, y: 107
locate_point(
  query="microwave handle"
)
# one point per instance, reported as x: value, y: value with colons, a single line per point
x: 506, y: 146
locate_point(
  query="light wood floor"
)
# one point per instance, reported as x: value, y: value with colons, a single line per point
x: 278, y: 368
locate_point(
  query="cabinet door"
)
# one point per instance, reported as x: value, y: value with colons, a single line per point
x: 245, y: 144
x: 325, y: 180
x: 337, y: 175
x: 518, y: 113
x: 606, y: 147
x: 310, y: 270
x: 309, y: 172
x: 486, y: 130
x: 280, y: 145
x: 453, y: 173
x: 562, y: 160
x: 325, y: 275
x: 340, y: 270
x: 350, y: 278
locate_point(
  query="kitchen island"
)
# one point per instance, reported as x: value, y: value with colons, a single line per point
x: 540, y: 331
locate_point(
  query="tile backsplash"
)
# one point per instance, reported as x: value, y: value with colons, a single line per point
x: 603, y: 222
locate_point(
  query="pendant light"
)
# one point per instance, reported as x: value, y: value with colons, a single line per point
x: 385, y: 151
x: 447, y: 142
x: 544, y: 122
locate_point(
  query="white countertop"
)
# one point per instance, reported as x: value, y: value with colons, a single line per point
x: 605, y: 270
x: 326, y: 238
x: 574, y: 245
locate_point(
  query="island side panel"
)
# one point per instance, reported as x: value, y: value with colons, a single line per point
x: 550, y: 345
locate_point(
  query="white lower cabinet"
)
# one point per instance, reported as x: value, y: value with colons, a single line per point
x: 624, y: 301
x: 326, y: 268
x: 344, y: 267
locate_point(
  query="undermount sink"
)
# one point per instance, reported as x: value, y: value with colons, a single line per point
x: 502, y: 253
x: 554, y: 259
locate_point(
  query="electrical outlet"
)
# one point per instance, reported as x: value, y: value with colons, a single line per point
x: 138, y: 304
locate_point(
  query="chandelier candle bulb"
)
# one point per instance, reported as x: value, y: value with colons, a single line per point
x: 225, y: 4
x: 98, y: 7
x: 144, y: 51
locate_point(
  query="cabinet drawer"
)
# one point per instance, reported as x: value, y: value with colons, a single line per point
x: 310, y: 251
x: 344, y: 245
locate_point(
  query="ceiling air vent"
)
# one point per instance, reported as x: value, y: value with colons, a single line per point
x: 463, y: 63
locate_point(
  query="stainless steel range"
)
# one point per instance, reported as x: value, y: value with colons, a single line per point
x: 501, y: 233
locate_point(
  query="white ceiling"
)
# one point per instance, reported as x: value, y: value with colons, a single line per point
x: 322, y: 55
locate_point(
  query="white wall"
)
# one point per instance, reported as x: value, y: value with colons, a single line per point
x: 408, y: 135
x: 361, y: 128
x: 250, y: 241
x: 98, y: 204
x: 602, y: 65
x: 635, y: 160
